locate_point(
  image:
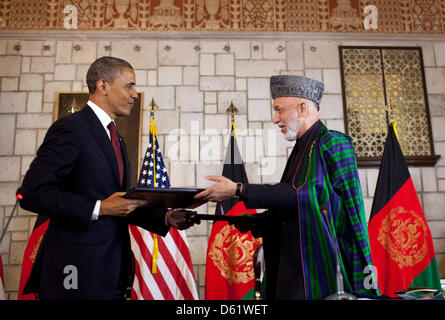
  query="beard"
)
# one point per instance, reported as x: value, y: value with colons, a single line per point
x: 292, y: 127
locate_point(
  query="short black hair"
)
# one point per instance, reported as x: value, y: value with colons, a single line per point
x: 105, y: 68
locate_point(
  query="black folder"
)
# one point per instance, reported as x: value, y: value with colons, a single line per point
x: 167, y: 197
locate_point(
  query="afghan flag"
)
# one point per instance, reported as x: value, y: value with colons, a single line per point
x: 401, y: 244
x: 230, y: 254
x: 30, y: 253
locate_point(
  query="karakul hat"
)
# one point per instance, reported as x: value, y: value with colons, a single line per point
x: 296, y: 86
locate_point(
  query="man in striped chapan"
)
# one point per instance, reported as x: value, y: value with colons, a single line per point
x: 320, y: 175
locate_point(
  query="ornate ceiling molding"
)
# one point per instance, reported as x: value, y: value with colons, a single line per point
x: 332, y: 16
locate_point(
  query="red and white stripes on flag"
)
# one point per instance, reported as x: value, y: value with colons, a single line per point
x: 174, y: 279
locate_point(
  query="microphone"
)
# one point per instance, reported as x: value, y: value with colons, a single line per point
x: 340, y: 294
x: 258, y: 260
x: 19, y: 197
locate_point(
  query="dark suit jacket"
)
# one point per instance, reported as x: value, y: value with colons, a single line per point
x: 74, y: 167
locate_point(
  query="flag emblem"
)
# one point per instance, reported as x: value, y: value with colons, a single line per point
x: 232, y: 253
x: 403, y: 235
x: 33, y: 254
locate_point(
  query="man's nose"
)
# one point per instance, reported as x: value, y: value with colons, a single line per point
x: 276, y: 118
x: 134, y: 93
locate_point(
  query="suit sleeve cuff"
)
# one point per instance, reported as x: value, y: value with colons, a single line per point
x: 244, y: 192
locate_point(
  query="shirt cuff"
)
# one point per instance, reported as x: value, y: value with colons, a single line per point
x: 96, y: 209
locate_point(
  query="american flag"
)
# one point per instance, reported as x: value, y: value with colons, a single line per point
x: 172, y: 277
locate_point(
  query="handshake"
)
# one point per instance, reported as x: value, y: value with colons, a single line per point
x: 222, y: 190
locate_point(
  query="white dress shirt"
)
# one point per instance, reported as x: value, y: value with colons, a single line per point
x: 105, y: 120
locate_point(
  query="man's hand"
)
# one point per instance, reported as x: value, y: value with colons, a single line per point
x: 222, y: 190
x: 115, y: 205
x: 179, y: 219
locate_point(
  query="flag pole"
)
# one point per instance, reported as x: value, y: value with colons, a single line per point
x: 232, y: 110
x: 153, y: 132
x: 390, y: 117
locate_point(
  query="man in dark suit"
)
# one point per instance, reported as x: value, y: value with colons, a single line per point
x: 77, y: 180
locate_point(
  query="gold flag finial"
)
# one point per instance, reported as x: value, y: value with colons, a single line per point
x: 152, y: 107
x: 390, y: 117
x: 389, y: 108
x: 232, y: 110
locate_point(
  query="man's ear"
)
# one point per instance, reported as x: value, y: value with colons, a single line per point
x: 101, y: 87
x: 303, y: 108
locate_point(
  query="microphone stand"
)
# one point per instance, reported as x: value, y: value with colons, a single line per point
x: 340, y: 294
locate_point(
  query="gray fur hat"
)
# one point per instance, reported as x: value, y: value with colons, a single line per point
x: 296, y: 86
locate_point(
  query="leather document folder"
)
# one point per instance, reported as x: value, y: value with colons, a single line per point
x: 167, y: 198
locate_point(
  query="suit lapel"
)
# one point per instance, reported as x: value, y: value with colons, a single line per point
x: 103, y: 140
